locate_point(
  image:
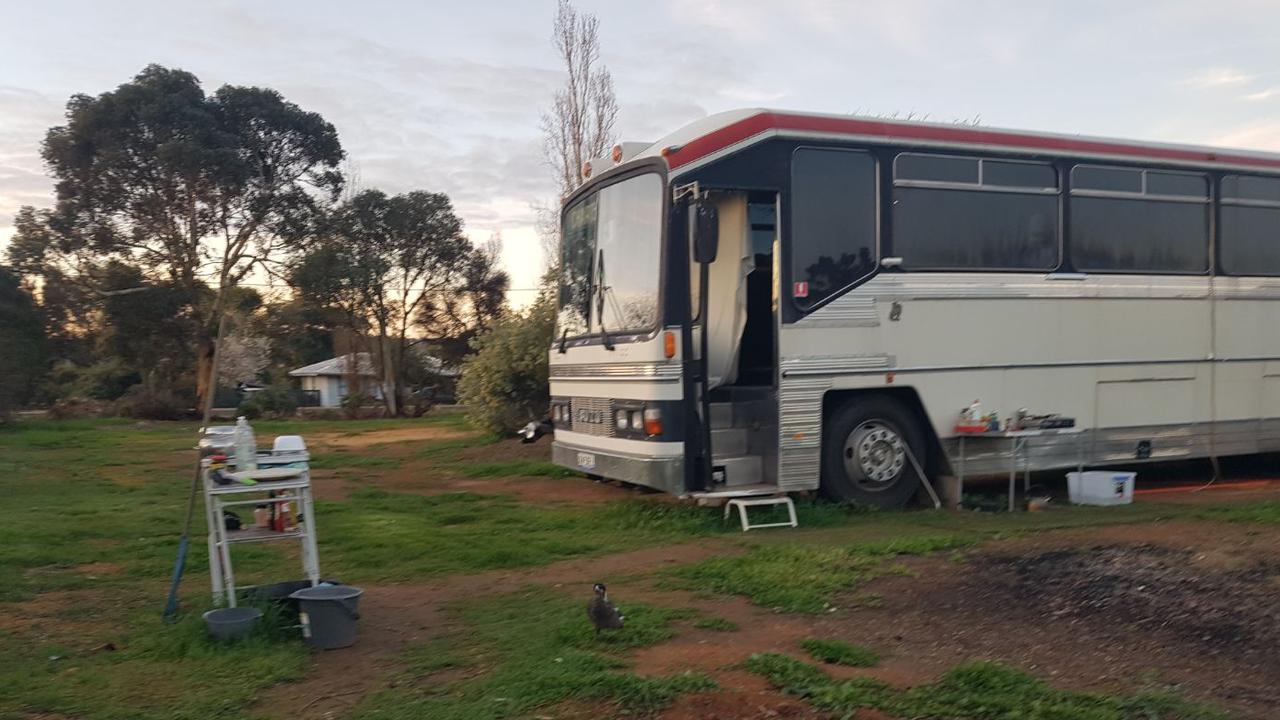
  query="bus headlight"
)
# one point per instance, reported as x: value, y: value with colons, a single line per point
x: 637, y: 419
x: 622, y: 420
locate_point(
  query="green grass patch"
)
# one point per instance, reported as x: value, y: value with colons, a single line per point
x: 536, y: 649
x: 1266, y: 513
x: 336, y: 460
x: 511, y: 468
x: 838, y: 652
x: 974, y: 691
x: 717, y: 624
x: 803, y: 578
x: 149, y: 671
x: 381, y: 536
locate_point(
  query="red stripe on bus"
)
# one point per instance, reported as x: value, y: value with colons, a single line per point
x: 747, y: 127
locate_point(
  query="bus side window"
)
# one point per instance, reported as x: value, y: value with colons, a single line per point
x: 974, y: 213
x: 833, y: 222
x: 1250, y: 239
x: 1138, y: 220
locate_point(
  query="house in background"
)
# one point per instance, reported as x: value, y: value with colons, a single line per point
x: 332, y: 378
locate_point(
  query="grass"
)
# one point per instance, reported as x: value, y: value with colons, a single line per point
x: 510, y: 468
x: 973, y: 691
x: 803, y: 578
x: 88, y: 534
x: 838, y: 652
x: 1265, y: 513
x: 534, y: 650
x: 335, y: 460
x: 149, y: 670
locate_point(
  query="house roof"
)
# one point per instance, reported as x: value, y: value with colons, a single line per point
x: 338, y: 366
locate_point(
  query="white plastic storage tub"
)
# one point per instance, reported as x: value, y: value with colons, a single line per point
x: 1100, y: 487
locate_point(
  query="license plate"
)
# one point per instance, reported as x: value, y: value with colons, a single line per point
x: 587, y: 461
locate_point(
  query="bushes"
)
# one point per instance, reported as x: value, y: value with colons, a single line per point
x: 275, y: 400
x: 144, y: 403
x: 22, y: 344
x: 76, y: 407
x: 504, y: 384
x: 104, y: 380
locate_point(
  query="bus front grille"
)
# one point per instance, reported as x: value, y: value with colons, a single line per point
x: 591, y: 416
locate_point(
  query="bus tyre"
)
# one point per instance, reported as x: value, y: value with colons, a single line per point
x: 864, y: 453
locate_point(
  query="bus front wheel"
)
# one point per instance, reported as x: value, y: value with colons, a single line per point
x: 864, y: 453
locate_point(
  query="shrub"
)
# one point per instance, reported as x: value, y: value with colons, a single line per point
x: 77, y: 407
x: 504, y: 384
x: 144, y: 403
x: 107, y: 379
x: 250, y: 407
x: 352, y: 404
x: 274, y: 400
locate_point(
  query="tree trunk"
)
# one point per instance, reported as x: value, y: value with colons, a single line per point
x: 204, y: 366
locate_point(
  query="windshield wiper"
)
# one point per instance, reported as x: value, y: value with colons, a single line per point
x: 601, y: 289
x: 564, y: 338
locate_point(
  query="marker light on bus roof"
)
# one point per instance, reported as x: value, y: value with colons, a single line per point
x: 617, y: 154
x: 586, y: 169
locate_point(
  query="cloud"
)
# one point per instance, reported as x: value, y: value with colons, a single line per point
x: 1219, y: 77
x: 25, y: 117
x: 1262, y: 135
x: 1262, y: 95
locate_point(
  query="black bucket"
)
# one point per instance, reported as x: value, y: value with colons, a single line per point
x: 228, y: 624
x: 329, y: 614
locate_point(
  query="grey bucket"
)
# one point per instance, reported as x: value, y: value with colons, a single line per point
x: 231, y: 623
x: 329, y: 614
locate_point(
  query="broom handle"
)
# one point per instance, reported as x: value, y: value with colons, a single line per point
x: 171, y: 604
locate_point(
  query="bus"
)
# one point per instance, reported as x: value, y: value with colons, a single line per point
x: 770, y: 302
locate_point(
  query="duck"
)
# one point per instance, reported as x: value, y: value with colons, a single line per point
x: 601, y: 612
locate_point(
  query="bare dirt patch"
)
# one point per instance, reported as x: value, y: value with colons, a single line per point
x: 1108, y: 610
x: 746, y: 697
x: 425, y: 433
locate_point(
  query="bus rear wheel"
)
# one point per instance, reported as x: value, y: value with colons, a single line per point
x: 864, y: 453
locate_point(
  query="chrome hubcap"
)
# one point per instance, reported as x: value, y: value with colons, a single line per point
x: 874, y: 455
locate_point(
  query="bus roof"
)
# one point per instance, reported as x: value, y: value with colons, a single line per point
x: 715, y: 135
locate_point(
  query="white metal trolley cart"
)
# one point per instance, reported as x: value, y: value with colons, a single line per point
x: 274, y: 486
x: 1017, y: 452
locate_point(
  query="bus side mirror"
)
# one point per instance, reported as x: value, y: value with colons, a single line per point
x: 706, y: 234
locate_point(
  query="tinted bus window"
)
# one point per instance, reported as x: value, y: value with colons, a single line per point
x: 1245, y: 187
x: 833, y: 222
x: 1131, y: 235
x: 936, y: 168
x: 945, y: 229
x: 1002, y: 217
x: 1138, y: 220
x: 1249, y: 243
x: 1086, y: 177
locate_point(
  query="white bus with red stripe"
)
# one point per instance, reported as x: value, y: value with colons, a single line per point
x: 871, y: 278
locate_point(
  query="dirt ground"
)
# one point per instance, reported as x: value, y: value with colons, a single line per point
x: 1183, y: 604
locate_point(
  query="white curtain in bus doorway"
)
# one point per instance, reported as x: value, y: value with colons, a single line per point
x: 727, y: 303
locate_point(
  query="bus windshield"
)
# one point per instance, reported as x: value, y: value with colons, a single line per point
x: 610, y: 259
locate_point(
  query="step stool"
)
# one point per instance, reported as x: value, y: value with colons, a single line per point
x: 743, y: 503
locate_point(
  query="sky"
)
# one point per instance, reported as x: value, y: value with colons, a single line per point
x: 447, y: 96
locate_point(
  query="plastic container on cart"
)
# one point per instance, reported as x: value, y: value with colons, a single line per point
x: 246, y: 446
x: 1100, y: 487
